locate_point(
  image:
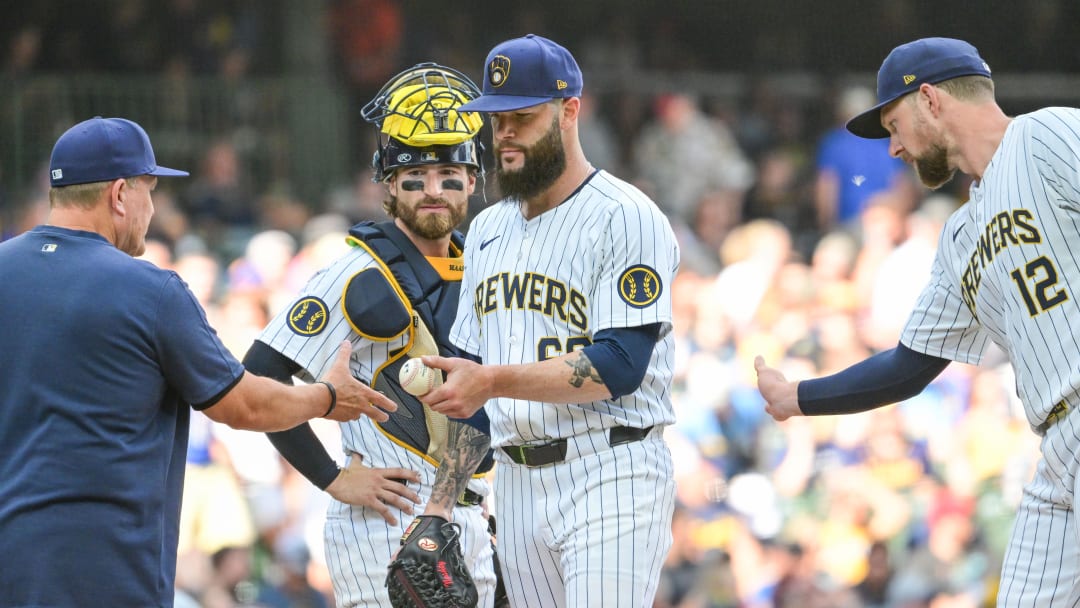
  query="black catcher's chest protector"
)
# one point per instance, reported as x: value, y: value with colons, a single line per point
x: 376, y: 300
x: 434, y: 298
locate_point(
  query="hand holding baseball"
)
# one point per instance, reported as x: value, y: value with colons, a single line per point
x: 468, y: 386
x: 418, y: 379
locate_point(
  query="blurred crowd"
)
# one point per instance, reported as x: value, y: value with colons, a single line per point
x: 800, y: 243
x: 372, y: 38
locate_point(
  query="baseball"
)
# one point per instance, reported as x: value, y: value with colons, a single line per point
x: 417, y: 378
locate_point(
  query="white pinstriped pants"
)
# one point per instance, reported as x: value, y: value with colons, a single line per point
x: 1042, y: 561
x: 591, y: 531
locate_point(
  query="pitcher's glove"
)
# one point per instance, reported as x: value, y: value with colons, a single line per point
x: 429, y: 570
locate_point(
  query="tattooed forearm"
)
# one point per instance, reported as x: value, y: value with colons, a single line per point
x: 583, y: 368
x: 465, y: 448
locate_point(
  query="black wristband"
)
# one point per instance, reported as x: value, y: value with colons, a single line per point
x: 333, y: 397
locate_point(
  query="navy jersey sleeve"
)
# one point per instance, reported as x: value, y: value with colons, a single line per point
x: 887, y: 377
x: 193, y: 360
x: 621, y: 356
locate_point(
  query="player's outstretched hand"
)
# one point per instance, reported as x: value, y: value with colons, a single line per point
x: 781, y: 396
x: 466, y: 388
x: 354, y: 398
x: 376, y: 489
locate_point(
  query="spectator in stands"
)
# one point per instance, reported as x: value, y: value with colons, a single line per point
x: 683, y: 153
x: 597, y: 139
x: 219, y: 202
x: 851, y: 169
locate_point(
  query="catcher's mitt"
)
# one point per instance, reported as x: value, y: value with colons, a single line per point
x: 429, y: 570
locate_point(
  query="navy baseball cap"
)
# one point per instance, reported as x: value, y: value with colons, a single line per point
x: 103, y: 149
x: 525, y: 72
x: 930, y: 60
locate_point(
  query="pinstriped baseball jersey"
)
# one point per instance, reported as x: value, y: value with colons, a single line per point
x: 310, y: 336
x: 1007, y: 268
x: 359, y: 541
x: 537, y: 289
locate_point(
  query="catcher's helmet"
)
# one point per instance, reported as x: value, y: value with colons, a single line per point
x: 418, y: 121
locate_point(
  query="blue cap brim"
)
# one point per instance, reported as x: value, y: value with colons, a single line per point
x: 167, y: 172
x: 502, y: 103
x: 868, y: 124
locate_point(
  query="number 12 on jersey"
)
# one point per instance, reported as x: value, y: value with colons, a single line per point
x: 1036, y: 284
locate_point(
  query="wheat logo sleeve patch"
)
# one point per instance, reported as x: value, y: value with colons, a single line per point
x: 640, y: 286
x: 308, y: 316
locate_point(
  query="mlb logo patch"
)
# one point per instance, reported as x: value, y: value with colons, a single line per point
x: 48, y: 247
x: 57, y: 173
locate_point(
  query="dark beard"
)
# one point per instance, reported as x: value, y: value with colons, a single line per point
x: 933, y: 167
x: 430, y: 226
x: 545, y: 161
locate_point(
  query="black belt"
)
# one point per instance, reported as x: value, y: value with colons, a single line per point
x: 1056, y: 413
x: 470, y: 498
x: 538, y: 455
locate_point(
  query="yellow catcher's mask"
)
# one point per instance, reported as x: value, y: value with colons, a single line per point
x: 418, y: 121
x: 420, y: 115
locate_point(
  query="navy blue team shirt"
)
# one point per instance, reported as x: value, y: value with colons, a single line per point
x: 100, y: 356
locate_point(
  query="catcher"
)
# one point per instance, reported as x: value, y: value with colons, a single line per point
x: 394, y: 296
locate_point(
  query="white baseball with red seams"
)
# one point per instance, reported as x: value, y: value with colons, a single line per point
x: 417, y: 378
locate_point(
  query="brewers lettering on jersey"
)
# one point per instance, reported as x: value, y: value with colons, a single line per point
x: 566, y: 300
x: 529, y: 305
x: 1005, y: 272
x: 542, y: 289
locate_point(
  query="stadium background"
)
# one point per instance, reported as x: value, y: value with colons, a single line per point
x: 906, y: 506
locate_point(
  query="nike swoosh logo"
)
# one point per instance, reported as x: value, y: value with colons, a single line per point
x: 956, y: 232
x: 488, y: 242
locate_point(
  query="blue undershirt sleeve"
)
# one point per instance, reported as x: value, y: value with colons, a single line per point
x: 478, y: 421
x: 887, y: 377
x: 621, y: 356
